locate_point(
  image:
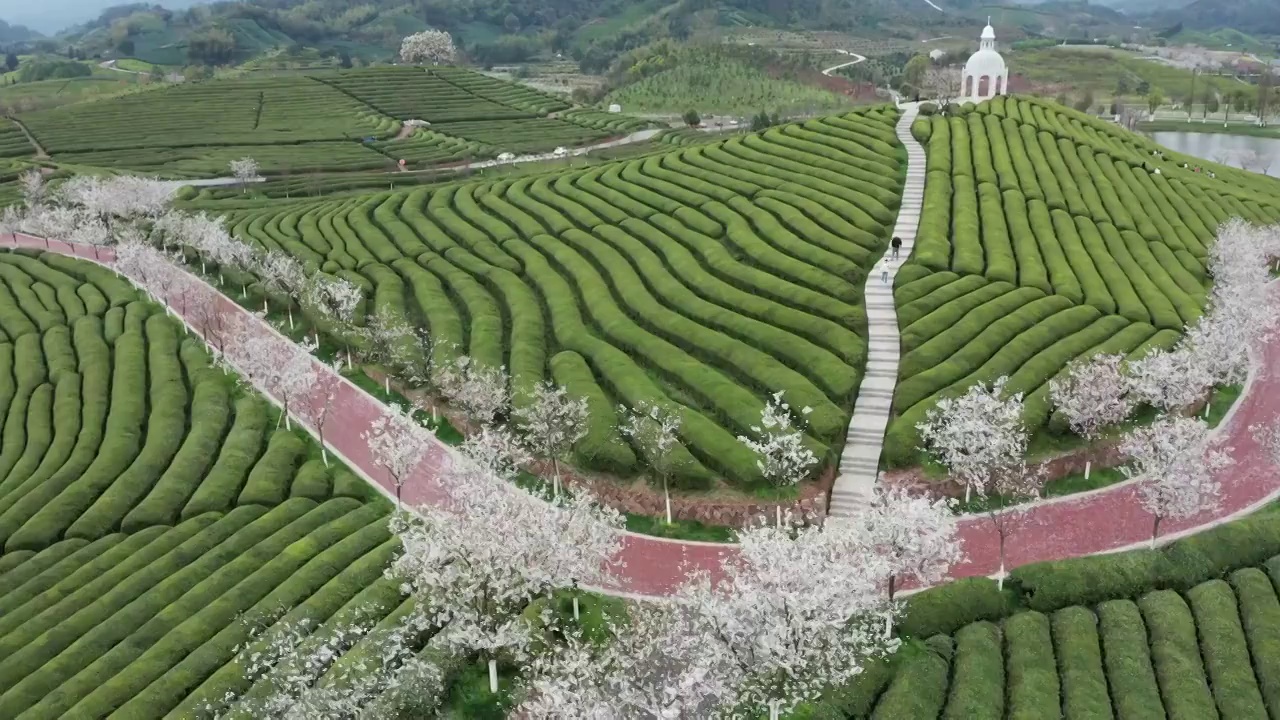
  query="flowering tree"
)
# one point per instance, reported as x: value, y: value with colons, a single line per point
x: 980, y: 438
x: 91, y: 231
x: 1168, y: 379
x: 1177, y: 467
x: 654, y: 430
x: 245, y: 170
x: 333, y: 299
x: 916, y: 535
x: 397, y: 443
x: 11, y: 222
x: 323, y: 395
x: 476, y: 561
x: 651, y: 664
x: 552, y: 421
x: 784, y: 459
x: 1092, y: 394
x: 301, y: 670
x: 281, y: 275
x: 944, y: 85
x: 33, y: 188
x: 975, y: 434
x: 796, y: 611
x: 479, y: 390
x: 276, y: 364
x: 433, y: 47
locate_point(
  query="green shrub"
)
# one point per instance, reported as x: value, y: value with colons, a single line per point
x: 919, y: 687
x: 268, y: 483
x: 60, y: 579
x: 41, y: 563
x: 1032, y: 673
x: 977, y: 679
x: 1084, y: 685
x: 1127, y: 658
x: 312, y: 481
x: 210, y: 413
x: 1222, y: 645
x: 1176, y: 656
x: 238, y: 454
x: 1260, y: 618
x: 946, y: 608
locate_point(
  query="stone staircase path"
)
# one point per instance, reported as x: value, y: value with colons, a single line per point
x: 860, y: 461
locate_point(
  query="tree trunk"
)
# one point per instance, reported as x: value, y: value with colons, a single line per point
x: 774, y: 709
x: 265, y: 308
x: 493, y: 676
x: 576, y: 614
x: 891, y: 582
x: 324, y: 453
x: 283, y: 415
x: 386, y: 384
x: 1155, y: 532
x: 1000, y: 582
x: 666, y: 497
x: 290, y: 311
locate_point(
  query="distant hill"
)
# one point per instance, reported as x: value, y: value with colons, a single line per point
x: 16, y: 33
x: 1256, y: 17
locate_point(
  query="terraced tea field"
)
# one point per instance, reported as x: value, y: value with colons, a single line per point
x: 1209, y: 652
x: 706, y: 277
x: 13, y: 142
x: 333, y: 122
x: 1047, y: 236
x: 151, y: 519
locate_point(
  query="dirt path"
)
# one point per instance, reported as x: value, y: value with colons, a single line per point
x: 1101, y: 521
x: 40, y: 151
x: 833, y: 68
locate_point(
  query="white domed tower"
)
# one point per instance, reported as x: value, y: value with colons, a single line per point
x: 985, y: 75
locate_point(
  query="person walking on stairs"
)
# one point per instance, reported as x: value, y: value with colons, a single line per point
x: 896, y: 245
x: 885, y: 266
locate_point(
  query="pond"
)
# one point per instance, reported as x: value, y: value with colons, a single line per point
x: 1223, y: 148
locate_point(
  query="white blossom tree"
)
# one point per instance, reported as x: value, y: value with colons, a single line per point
x: 334, y: 299
x: 479, y: 390
x: 302, y: 670
x: 33, y: 188
x: 1176, y: 466
x: 281, y: 275
x: 476, y: 561
x: 943, y: 85
x: 1092, y: 394
x: 11, y: 222
x: 980, y: 438
x: 650, y: 664
x: 654, y: 430
x: 784, y: 458
x: 796, y: 610
x: 552, y: 422
x: 914, y: 534
x: 397, y: 443
x: 434, y: 47
x: 324, y: 393
x: 245, y: 171
x: 1168, y: 380
x: 277, y: 365
x: 976, y: 433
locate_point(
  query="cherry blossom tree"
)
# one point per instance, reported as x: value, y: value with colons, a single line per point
x: 1168, y: 380
x: 298, y: 669
x: 943, y: 84
x: 277, y: 365
x: 11, y: 222
x: 975, y: 434
x: 328, y: 385
x: 479, y: 390
x: 654, y: 430
x: 333, y: 299
x: 915, y: 534
x: 476, y: 561
x: 91, y: 231
x: 397, y: 346
x: 397, y: 443
x: 1176, y: 464
x: 796, y: 610
x: 1092, y: 394
x: 434, y: 47
x: 980, y: 438
x: 245, y: 171
x: 33, y: 188
x: 552, y: 421
x: 650, y: 664
x: 784, y: 458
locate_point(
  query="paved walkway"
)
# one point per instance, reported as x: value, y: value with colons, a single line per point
x: 860, y: 461
x: 856, y: 59
x: 1100, y: 521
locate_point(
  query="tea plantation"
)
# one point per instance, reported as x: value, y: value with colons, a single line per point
x: 708, y: 277
x: 1048, y: 235
x: 151, y: 519
x: 329, y: 121
x: 1191, y: 631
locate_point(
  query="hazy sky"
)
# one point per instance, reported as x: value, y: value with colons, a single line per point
x: 50, y: 16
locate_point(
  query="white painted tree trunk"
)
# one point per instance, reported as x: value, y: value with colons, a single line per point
x: 666, y: 497
x: 576, y: 615
x: 1087, y: 466
x: 324, y: 455
x: 386, y: 384
x: 774, y: 709
x: 290, y: 311
x: 888, y: 625
x: 493, y: 675
x: 777, y: 515
x: 265, y: 309
x: 968, y: 490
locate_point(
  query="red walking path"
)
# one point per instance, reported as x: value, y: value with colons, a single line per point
x: 1100, y: 521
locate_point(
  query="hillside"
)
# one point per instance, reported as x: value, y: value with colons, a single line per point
x: 1257, y: 17
x: 1050, y: 235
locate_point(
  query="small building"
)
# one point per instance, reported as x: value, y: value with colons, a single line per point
x: 985, y: 74
x: 615, y: 108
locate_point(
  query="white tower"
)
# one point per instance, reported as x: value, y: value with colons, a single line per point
x: 985, y: 75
